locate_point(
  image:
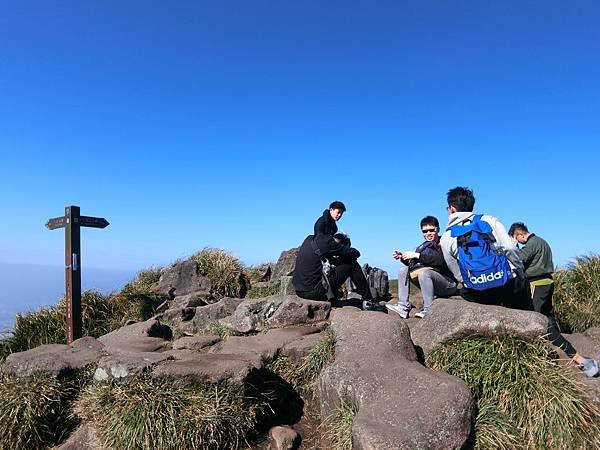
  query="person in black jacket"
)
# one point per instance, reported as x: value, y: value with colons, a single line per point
x: 425, y: 266
x: 326, y: 224
x: 310, y: 280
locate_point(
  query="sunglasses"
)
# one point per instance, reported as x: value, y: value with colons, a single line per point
x: 429, y: 230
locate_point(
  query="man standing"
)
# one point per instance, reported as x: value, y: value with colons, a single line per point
x: 539, y: 267
x: 480, y: 254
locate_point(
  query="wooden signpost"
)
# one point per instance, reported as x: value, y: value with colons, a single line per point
x: 71, y: 222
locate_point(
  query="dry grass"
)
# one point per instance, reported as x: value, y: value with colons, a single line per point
x: 148, y: 413
x: 577, y: 294
x: 524, y: 394
x: 339, y: 426
x: 223, y: 270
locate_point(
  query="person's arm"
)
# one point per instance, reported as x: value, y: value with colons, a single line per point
x: 329, y: 246
x: 526, y: 254
x: 505, y: 241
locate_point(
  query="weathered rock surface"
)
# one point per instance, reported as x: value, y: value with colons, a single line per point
x: 298, y: 349
x: 212, y: 368
x: 401, y: 404
x: 275, y: 311
x: 283, y: 438
x: 83, y: 438
x: 195, y: 342
x: 265, y: 346
x: 456, y: 319
x: 593, y: 333
x: 183, y: 278
x: 124, y: 365
x: 588, y: 347
x: 148, y: 336
x: 54, y: 359
x: 206, y: 315
x: 286, y: 287
x: 285, y: 264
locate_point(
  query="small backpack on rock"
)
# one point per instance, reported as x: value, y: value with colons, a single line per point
x: 378, y: 282
x: 481, y: 264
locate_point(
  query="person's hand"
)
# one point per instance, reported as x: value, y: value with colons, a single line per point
x: 396, y: 254
x: 410, y: 255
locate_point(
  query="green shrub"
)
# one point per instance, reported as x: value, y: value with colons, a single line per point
x: 263, y: 291
x: 36, y: 413
x: 147, y: 413
x: 222, y: 269
x: 577, y: 294
x: 523, y: 392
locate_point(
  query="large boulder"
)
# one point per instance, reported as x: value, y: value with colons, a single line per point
x: 125, y: 365
x: 452, y: 319
x: 195, y: 343
x: 401, y: 404
x: 209, y: 314
x: 211, y: 368
x: 275, y: 311
x: 183, y: 278
x: 267, y: 345
x: 54, y: 359
x: 148, y: 336
x: 285, y: 264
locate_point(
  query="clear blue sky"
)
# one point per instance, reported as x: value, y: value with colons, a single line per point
x: 233, y: 124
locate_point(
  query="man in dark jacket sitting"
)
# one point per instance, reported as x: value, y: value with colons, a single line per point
x: 314, y: 275
x: 326, y: 224
x: 427, y: 268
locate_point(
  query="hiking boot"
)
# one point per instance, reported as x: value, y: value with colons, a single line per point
x: 398, y: 310
x: 421, y: 314
x: 370, y: 305
x: 589, y: 367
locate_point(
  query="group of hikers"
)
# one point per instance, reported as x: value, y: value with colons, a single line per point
x: 475, y: 258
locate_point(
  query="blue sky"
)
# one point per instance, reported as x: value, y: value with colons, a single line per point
x: 233, y: 124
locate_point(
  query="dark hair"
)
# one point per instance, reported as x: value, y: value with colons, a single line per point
x: 461, y: 198
x: 430, y: 220
x: 341, y: 238
x: 517, y: 226
x: 338, y: 205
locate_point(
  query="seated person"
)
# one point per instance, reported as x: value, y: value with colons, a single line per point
x: 326, y: 224
x: 539, y: 267
x: 426, y: 268
x: 310, y: 280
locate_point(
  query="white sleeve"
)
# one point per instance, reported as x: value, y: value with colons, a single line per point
x: 450, y: 252
x: 504, y: 241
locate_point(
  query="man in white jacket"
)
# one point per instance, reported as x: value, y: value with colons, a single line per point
x: 460, y: 212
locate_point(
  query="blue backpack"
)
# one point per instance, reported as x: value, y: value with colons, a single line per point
x: 481, y: 265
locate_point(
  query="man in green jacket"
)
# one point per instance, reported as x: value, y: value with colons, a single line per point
x: 538, y: 267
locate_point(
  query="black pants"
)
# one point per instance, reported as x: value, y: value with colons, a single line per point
x: 512, y: 295
x: 541, y: 297
x: 338, y: 276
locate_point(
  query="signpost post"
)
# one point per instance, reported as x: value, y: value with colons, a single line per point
x: 72, y: 221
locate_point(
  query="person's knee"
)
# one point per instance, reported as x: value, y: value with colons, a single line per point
x: 424, y: 276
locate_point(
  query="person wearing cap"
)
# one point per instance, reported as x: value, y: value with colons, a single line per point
x: 536, y: 255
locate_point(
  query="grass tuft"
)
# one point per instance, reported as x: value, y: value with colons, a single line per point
x: 148, y: 413
x: 524, y: 394
x: 577, y: 294
x: 339, y: 426
x: 304, y: 375
x: 36, y: 412
x: 223, y: 270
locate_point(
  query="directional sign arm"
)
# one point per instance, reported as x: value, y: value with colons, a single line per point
x: 93, y: 222
x: 57, y: 222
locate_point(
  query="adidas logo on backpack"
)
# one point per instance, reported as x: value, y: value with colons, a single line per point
x: 481, y: 265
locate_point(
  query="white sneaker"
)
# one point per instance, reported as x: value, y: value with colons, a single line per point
x: 589, y: 367
x: 398, y: 310
x: 421, y: 314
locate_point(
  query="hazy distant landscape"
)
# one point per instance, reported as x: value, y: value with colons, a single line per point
x: 27, y: 287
